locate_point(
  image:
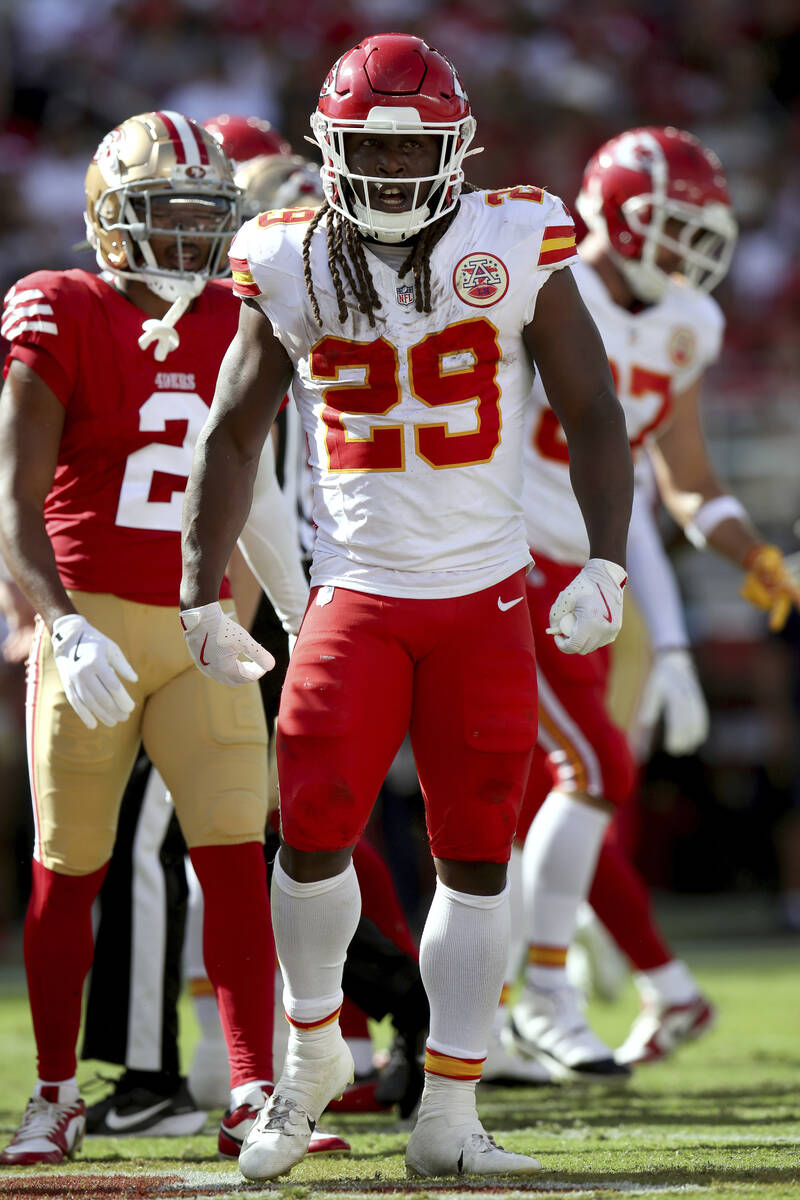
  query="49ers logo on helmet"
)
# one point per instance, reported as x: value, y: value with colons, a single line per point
x: 480, y: 279
x: 106, y: 156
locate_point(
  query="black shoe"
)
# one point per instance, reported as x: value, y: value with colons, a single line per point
x: 402, y: 1079
x: 131, y: 1113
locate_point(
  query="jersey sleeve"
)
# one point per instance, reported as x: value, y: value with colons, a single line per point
x: 550, y: 246
x: 267, y: 262
x: 244, y: 284
x: 39, y: 315
x: 558, y: 247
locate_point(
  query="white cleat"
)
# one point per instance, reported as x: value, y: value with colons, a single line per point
x: 49, y: 1132
x: 280, y: 1137
x: 660, y: 1029
x: 548, y: 1025
x: 447, y: 1143
x: 505, y: 1066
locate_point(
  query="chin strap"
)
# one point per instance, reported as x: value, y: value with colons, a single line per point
x: 162, y: 331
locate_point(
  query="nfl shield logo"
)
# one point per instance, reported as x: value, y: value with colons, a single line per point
x: 405, y: 294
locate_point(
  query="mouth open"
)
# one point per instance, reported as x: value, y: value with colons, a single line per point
x: 391, y: 197
x: 194, y: 257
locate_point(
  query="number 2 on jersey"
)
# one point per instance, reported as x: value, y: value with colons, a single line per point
x: 457, y: 365
x: 137, y: 508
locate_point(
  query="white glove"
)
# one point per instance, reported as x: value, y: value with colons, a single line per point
x: 588, y: 613
x: 90, y: 664
x: 215, y: 643
x: 673, y: 691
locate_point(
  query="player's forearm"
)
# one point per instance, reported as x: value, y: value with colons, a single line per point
x: 601, y: 472
x: 217, y: 501
x: 28, y: 553
x: 652, y: 580
x: 735, y: 540
x: 713, y: 518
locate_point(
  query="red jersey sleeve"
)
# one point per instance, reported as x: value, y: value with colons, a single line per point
x: 39, y: 316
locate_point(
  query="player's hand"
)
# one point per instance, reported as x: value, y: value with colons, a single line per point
x: 588, y: 613
x: 770, y: 585
x: 90, y: 665
x: 672, y: 691
x: 215, y: 643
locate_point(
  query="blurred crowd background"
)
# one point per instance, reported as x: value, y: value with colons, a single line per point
x: 549, y: 80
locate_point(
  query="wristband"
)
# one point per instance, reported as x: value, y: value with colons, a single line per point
x: 710, y: 515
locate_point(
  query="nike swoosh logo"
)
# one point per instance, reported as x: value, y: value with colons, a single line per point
x: 505, y: 605
x: 115, y: 1121
x: 75, y: 651
x: 204, y: 661
x: 608, y: 618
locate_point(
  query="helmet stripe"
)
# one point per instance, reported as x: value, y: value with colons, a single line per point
x: 184, y: 138
x: 166, y: 118
x: 202, y: 148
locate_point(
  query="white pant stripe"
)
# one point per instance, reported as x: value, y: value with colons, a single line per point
x: 557, y: 713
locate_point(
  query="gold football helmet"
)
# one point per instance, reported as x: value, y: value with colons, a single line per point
x: 161, y: 175
x: 278, y: 181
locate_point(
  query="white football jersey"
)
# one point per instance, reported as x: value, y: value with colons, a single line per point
x: 655, y: 354
x: 415, y: 426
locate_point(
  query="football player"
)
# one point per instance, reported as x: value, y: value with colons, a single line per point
x: 381, y: 970
x: 661, y: 235
x: 406, y: 313
x: 108, y: 382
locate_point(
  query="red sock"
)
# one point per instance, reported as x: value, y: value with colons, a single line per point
x: 379, y: 899
x: 239, y: 952
x: 58, y: 947
x: 621, y: 900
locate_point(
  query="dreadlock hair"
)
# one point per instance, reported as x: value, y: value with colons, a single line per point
x: 346, y: 257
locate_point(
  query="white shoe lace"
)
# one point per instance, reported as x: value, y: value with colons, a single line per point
x: 40, y: 1117
x: 483, y: 1143
x: 279, y: 1114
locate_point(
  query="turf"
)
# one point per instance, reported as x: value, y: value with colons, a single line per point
x: 721, y: 1119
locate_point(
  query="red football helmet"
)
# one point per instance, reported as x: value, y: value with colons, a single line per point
x: 243, y: 138
x: 642, y: 179
x: 393, y: 83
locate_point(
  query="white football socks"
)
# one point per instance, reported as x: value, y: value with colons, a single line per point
x: 68, y: 1090
x: 314, y: 924
x: 558, y: 864
x: 671, y: 984
x: 462, y: 959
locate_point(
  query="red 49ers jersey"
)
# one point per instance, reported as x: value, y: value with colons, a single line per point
x: 414, y: 425
x: 113, y: 513
x: 655, y: 354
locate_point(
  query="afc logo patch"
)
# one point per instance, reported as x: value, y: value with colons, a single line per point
x: 405, y: 294
x: 682, y: 346
x: 480, y: 279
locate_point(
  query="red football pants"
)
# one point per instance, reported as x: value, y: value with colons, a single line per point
x: 459, y: 673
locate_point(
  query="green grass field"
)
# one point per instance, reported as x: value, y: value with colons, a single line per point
x: 721, y: 1119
